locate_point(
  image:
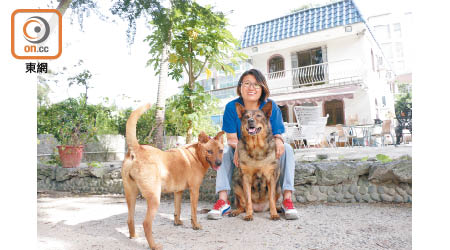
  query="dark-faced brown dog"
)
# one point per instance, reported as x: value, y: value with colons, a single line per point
x: 256, y: 184
x: 152, y: 171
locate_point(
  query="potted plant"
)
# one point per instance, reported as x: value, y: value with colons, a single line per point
x: 74, y: 128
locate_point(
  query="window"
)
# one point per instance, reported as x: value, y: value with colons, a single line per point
x: 207, y: 84
x: 234, y: 66
x: 276, y: 64
x: 310, y: 57
x: 217, y: 120
x: 335, y: 110
x: 284, y: 112
x: 382, y: 32
x: 399, y: 50
x: 387, y: 50
x: 383, y: 99
x: 397, y: 30
x: 310, y: 74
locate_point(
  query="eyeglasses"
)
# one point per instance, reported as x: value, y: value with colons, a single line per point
x: 248, y: 84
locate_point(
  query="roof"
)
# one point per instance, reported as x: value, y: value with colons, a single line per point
x: 302, y: 22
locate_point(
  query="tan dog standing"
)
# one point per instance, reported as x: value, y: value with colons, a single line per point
x: 152, y: 171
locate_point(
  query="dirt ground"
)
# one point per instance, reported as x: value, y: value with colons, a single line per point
x: 67, y: 221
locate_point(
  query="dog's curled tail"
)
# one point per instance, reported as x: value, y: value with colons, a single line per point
x: 132, y: 141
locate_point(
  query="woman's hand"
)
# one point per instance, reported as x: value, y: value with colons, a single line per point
x: 236, y: 158
x: 279, y: 148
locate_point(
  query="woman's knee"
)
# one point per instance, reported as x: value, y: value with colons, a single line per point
x: 228, y: 151
x: 288, y: 149
x: 227, y: 160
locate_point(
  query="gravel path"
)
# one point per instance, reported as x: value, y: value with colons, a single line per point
x: 99, y: 222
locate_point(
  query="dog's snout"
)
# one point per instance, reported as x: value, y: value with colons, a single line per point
x: 251, y: 122
x: 218, y: 162
x: 251, y: 119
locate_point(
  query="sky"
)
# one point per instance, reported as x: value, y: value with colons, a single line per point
x: 120, y: 72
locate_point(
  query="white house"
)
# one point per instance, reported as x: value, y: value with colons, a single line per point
x: 325, y: 56
x: 393, y: 31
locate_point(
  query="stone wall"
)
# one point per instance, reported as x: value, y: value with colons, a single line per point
x: 318, y: 181
x: 354, y: 181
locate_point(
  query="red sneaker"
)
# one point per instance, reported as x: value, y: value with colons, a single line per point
x: 289, y: 210
x: 220, y: 209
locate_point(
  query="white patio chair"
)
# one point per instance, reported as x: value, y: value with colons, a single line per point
x: 320, y: 125
x: 307, y: 114
x: 341, y: 135
x: 292, y: 134
x: 357, y: 136
x: 386, y: 129
x: 297, y: 136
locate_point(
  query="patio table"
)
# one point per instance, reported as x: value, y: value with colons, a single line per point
x: 366, y: 131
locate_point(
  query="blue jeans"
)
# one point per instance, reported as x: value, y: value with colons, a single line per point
x: 287, y: 169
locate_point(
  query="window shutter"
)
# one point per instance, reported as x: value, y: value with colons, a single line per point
x: 294, y: 60
x: 324, y: 54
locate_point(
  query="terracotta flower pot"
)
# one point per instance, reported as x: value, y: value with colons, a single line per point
x: 70, y: 155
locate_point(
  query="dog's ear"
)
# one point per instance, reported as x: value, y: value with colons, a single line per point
x: 267, y: 109
x: 239, y: 109
x: 219, y: 136
x: 203, y: 137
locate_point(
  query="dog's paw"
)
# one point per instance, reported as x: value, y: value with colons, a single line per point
x: 177, y: 222
x: 197, y: 227
x: 274, y: 217
x: 248, y: 217
x: 234, y: 213
x: 157, y: 247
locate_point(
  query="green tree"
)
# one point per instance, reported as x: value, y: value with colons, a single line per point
x: 42, y: 92
x: 403, y: 104
x: 82, y: 79
x: 145, y: 124
x: 74, y: 122
x: 180, y: 114
x: 161, y: 21
x: 200, y: 41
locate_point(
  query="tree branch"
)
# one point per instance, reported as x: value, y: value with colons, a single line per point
x: 185, y: 67
x: 201, y: 69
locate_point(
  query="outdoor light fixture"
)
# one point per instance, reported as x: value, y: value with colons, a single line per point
x: 255, y: 49
x: 348, y: 28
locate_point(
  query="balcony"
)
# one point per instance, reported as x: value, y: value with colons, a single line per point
x: 316, y: 76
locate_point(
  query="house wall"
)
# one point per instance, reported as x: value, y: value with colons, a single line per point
x: 358, y: 107
x: 348, y: 47
x: 377, y: 82
x: 337, y: 38
x: 338, y: 46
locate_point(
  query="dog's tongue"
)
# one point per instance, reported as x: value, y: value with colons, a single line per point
x: 215, y: 167
x: 252, y: 130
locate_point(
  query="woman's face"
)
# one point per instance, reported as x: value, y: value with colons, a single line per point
x: 250, y: 89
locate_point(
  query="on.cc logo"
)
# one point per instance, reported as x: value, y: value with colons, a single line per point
x: 36, y: 29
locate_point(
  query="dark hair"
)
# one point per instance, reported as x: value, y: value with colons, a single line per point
x: 260, y: 79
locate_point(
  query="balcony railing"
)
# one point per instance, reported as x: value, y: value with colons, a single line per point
x: 322, y: 75
x: 318, y: 75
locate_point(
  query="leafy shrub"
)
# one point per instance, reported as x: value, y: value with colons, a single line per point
x: 74, y: 122
x: 145, y: 127
x: 191, y: 106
